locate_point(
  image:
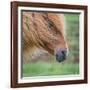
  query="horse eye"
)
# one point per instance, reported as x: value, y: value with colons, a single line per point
x: 50, y: 24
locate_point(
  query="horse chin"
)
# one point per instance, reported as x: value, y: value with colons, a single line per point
x: 62, y: 59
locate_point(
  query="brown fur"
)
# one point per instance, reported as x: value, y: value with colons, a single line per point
x: 43, y: 30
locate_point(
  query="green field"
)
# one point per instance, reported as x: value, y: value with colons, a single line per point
x: 71, y: 65
x: 41, y: 69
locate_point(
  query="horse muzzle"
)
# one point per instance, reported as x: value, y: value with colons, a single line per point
x: 61, y: 55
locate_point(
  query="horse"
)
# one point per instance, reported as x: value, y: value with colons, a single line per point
x: 44, y: 30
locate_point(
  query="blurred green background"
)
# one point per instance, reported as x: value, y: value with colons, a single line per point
x: 47, y: 65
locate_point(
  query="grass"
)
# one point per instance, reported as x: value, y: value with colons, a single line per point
x: 41, y: 69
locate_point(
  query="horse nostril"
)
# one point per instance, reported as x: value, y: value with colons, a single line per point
x: 56, y: 55
x: 63, y: 52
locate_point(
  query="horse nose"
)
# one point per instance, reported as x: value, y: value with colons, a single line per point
x: 61, y: 55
